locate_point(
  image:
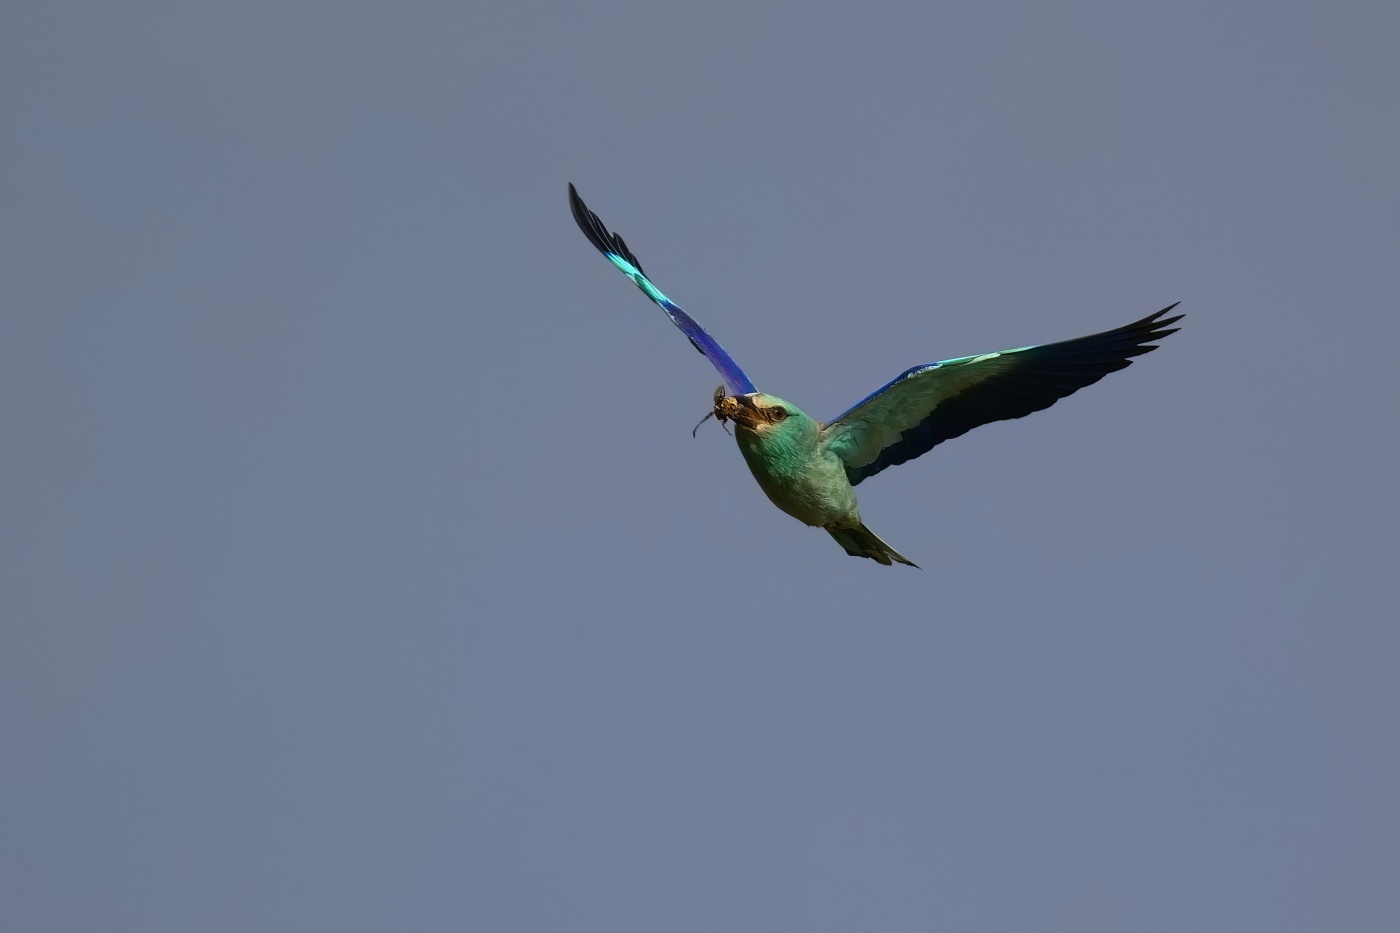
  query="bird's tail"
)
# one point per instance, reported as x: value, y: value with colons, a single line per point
x: 862, y: 542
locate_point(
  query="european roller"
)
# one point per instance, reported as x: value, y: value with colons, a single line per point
x: 810, y: 469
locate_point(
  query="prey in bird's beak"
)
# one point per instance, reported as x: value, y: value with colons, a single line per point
x: 720, y: 412
x: 740, y: 409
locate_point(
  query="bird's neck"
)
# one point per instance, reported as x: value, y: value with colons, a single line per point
x: 781, y: 454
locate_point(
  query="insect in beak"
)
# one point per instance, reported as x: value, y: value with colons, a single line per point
x: 719, y: 413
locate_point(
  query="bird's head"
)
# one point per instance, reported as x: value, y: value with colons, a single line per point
x: 758, y: 412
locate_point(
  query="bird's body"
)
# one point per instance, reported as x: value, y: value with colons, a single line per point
x: 797, y: 469
x: 800, y: 476
x: 809, y: 469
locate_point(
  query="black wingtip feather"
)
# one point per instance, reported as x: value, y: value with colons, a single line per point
x: 597, y: 233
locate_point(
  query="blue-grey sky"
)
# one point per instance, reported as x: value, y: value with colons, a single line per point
x: 358, y: 570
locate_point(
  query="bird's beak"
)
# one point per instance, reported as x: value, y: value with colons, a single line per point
x: 737, y: 408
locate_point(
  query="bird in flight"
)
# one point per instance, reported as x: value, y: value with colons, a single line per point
x: 809, y: 469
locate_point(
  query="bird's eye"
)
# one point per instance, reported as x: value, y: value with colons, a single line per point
x: 777, y: 414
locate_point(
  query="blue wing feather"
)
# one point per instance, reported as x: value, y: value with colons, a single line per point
x: 612, y: 246
x: 927, y: 405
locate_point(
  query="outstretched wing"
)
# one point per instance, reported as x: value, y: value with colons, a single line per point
x: 930, y: 404
x: 612, y: 246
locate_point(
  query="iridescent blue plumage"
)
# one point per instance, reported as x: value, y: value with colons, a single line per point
x: 612, y: 246
x: 809, y: 469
